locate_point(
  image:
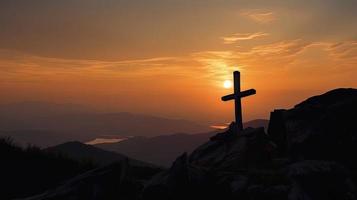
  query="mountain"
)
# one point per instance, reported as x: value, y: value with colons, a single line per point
x: 30, y: 171
x: 83, y: 152
x: 163, y: 150
x: 73, y: 122
x: 317, y: 161
x: 41, y: 138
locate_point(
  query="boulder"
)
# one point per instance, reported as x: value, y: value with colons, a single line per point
x: 314, y: 180
x: 216, y: 169
x: 119, y: 180
x: 321, y: 128
x: 231, y: 150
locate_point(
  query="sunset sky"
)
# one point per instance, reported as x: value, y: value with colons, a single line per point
x: 171, y: 57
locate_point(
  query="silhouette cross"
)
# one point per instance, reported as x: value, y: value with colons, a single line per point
x: 237, y: 96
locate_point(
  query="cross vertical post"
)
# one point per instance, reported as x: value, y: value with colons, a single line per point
x: 237, y: 101
x: 237, y: 96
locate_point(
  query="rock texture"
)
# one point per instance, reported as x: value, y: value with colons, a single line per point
x: 220, y: 168
x: 116, y: 181
x: 233, y: 150
x: 321, y: 128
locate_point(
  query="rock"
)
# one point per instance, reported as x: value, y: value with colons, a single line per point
x: 215, y: 170
x: 266, y: 192
x: 277, y: 131
x: 239, y: 185
x: 321, y: 128
x: 115, y: 181
x: 232, y: 151
x: 181, y: 181
x: 320, y: 180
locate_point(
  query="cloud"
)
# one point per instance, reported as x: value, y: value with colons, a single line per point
x: 18, y: 65
x: 344, y: 50
x: 258, y: 61
x: 259, y: 16
x: 287, y: 59
x: 281, y: 53
x: 14, y: 59
x: 218, y: 65
x: 242, y: 36
x: 285, y: 48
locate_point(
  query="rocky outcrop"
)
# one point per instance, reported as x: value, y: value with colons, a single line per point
x: 231, y: 150
x: 119, y: 180
x: 321, y: 128
x: 307, y: 155
x: 320, y: 180
x: 222, y: 168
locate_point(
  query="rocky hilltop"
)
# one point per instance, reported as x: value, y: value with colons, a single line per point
x: 307, y: 154
x: 321, y: 128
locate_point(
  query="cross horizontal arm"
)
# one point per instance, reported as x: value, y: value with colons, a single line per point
x: 239, y: 95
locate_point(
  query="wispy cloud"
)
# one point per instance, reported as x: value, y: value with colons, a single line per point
x: 242, y: 36
x: 344, y: 50
x: 296, y: 57
x: 268, y: 59
x: 259, y: 16
x: 218, y: 65
x: 26, y: 66
x: 286, y: 48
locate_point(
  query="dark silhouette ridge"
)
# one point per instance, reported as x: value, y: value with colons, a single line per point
x: 83, y: 152
x: 28, y: 171
x: 322, y: 127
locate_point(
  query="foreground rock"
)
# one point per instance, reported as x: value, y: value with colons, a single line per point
x: 307, y: 155
x: 231, y: 150
x: 221, y: 168
x: 323, y: 127
x: 320, y: 180
x: 120, y: 180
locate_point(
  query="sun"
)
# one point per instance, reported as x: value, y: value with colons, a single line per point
x: 227, y: 84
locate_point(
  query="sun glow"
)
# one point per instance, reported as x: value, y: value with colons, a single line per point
x: 227, y: 84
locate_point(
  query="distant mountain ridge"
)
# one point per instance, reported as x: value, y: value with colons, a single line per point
x: 76, y: 122
x: 83, y: 152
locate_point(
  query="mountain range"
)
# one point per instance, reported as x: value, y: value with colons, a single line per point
x: 83, y: 152
x: 48, y: 124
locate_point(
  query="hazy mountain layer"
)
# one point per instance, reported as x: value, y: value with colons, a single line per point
x: 29, y: 122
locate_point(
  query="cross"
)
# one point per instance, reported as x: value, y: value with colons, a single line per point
x: 237, y: 96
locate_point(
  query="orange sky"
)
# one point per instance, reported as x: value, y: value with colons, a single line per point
x: 170, y: 58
